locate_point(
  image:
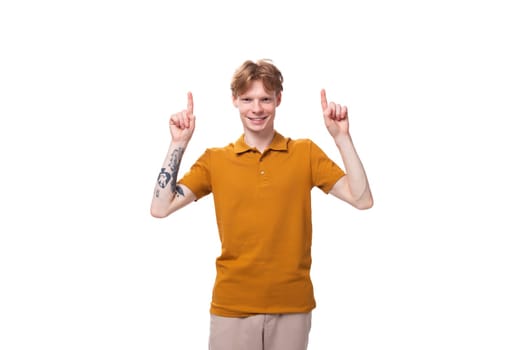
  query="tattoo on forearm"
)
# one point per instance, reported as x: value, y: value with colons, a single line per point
x: 174, y: 165
x: 179, y: 190
x: 164, y: 178
x: 169, y: 176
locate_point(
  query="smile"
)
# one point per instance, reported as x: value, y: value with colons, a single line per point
x: 257, y: 118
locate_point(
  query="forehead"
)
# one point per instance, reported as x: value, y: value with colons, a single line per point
x: 257, y: 88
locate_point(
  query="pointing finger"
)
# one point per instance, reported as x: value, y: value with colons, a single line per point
x: 324, y: 103
x: 190, y: 103
x: 191, y: 124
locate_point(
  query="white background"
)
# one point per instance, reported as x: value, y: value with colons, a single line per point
x: 435, y: 91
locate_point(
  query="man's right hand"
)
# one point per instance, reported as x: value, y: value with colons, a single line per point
x: 182, y: 123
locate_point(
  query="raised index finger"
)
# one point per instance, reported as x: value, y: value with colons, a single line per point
x: 190, y: 103
x: 324, y: 103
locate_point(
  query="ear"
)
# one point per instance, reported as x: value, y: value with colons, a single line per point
x: 278, y: 99
x: 234, y: 101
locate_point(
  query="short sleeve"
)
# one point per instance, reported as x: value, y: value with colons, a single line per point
x: 325, y: 172
x: 197, y: 179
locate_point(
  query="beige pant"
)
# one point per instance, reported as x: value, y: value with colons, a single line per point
x: 260, y: 332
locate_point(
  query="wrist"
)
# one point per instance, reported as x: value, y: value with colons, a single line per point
x: 178, y: 144
x: 342, y: 140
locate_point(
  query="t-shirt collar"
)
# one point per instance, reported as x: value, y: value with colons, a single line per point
x: 279, y: 143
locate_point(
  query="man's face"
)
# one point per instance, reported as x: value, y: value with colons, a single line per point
x: 257, y: 108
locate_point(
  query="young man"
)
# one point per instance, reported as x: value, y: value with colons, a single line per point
x: 261, y: 185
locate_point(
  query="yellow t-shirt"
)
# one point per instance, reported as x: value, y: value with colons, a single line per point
x: 263, y: 211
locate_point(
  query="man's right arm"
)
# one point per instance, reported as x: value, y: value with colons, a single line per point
x: 169, y: 196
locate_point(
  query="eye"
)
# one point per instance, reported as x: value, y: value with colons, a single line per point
x: 246, y: 100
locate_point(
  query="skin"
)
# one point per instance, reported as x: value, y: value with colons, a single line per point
x: 169, y: 197
x: 257, y: 109
x: 352, y: 188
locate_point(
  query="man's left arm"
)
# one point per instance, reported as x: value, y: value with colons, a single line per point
x: 352, y: 188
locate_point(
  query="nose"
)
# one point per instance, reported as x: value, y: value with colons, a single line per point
x: 256, y: 106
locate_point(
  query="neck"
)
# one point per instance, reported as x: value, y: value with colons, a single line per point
x: 259, y: 140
